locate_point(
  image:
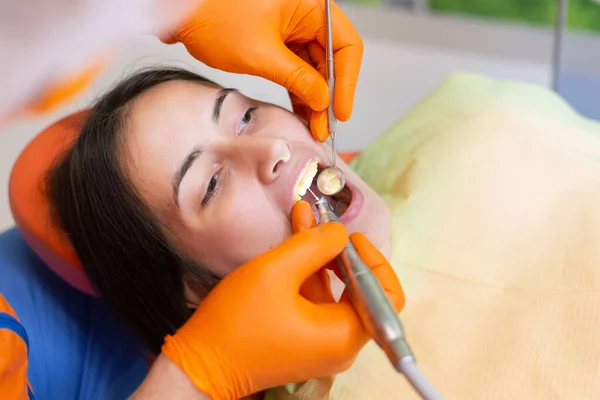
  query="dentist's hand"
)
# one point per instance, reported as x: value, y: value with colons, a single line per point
x: 60, y: 92
x: 256, y: 330
x: 318, y: 286
x: 283, y: 41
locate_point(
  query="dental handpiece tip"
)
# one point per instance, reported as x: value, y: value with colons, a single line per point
x: 314, y: 195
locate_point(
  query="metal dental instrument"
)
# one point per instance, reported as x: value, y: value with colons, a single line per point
x: 331, y: 180
x: 375, y: 310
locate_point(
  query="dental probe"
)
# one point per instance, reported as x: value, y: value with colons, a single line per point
x: 375, y: 310
x: 331, y: 120
x: 331, y: 180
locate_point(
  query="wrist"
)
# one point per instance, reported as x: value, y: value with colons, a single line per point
x: 199, y: 364
x: 186, y: 18
x: 167, y: 380
x: 171, y: 15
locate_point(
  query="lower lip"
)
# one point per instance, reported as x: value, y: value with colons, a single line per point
x: 356, y: 205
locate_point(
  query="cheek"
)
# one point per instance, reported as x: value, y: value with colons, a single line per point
x: 238, y: 231
x: 375, y: 219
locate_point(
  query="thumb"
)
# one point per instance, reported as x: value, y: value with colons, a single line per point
x: 302, y: 217
x: 307, y: 252
x: 298, y: 77
x: 317, y: 288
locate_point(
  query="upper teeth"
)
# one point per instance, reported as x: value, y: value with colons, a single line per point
x: 305, y: 180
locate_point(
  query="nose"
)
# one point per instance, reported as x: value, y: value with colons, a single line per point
x: 266, y: 155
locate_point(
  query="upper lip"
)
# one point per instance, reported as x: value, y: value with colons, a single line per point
x: 299, y: 169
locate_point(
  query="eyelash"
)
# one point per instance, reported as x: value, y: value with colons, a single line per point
x: 213, y: 188
x: 251, y: 114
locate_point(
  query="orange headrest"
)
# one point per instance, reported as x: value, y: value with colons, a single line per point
x: 349, y: 156
x: 29, y: 203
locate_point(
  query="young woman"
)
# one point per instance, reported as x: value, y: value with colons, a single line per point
x: 175, y: 181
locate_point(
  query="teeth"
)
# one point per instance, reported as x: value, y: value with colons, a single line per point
x: 305, y: 181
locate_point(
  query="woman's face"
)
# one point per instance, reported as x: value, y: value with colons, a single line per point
x: 220, y: 171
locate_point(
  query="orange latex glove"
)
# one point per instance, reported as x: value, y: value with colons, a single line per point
x: 256, y: 330
x: 13, y: 360
x: 318, y: 285
x: 283, y: 41
x: 58, y: 93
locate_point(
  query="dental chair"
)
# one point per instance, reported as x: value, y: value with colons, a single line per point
x: 77, y: 349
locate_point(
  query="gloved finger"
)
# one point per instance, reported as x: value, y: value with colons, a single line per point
x: 348, y: 51
x: 318, y: 119
x: 302, y: 217
x: 319, y: 127
x: 317, y: 57
x: 297, y: 76
x: 317, y: 288
x: 304, y: 253
x: 60, y: 92
x: 345, y: 296
x: 342, y: 327
x: 347, y: 69
x: 314, y: 55
x: 381, y: 268
x: 299, y: 108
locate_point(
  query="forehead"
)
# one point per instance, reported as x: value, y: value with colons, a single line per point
x: 171, y: 103
x: 163, y: 125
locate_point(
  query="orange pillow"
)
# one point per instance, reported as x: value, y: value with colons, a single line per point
x: 29, y: 203
x: 348, y: 156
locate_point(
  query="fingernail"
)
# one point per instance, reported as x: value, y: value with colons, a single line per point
x: 322, y: 102
x: 322, y: 135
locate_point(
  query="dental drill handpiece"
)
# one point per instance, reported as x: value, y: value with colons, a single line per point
x: 368, y: 297
x: 375, y: 311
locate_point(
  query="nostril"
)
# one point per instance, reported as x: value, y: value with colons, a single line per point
x: 276, y: 167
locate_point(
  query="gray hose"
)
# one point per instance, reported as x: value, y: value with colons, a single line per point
x: 411, y: 372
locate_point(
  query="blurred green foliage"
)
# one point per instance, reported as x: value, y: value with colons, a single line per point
x: 582, y: 14
x: 363, y: 2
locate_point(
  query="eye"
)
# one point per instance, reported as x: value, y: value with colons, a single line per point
x: 247, y: 119
x: 212, y: 189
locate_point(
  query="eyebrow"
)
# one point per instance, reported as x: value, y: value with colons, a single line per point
x: 221, y: 95
x: 183, y: 169
x: 197, y: 151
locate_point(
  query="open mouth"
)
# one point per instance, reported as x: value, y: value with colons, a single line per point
x: 340, y: 202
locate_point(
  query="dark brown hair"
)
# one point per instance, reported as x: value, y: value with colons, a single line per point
x: 120, y: 243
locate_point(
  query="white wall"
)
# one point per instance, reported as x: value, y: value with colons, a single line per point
x: 395, y: 75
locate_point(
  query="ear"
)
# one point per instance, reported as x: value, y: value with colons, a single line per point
x: 194, y: 293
